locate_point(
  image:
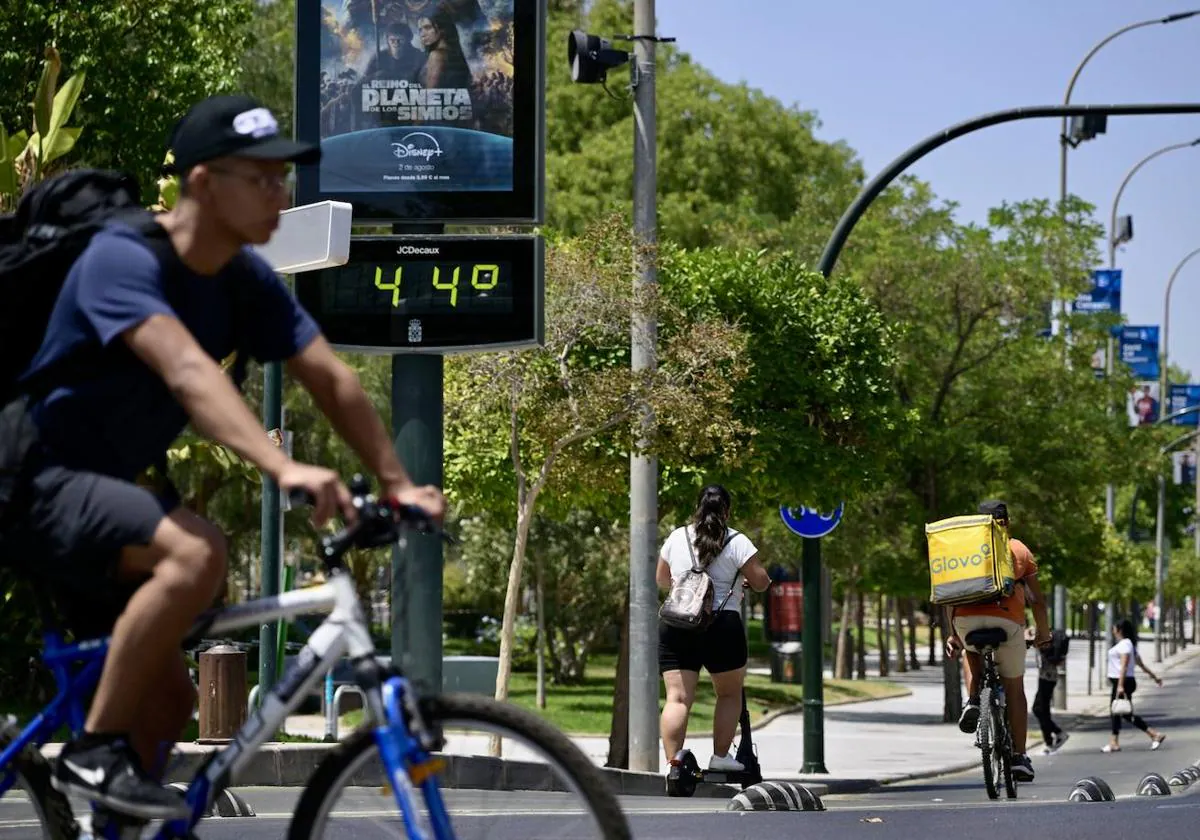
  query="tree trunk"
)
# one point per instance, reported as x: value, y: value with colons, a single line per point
x: 541, y: 633
x: 511, y: 598
x: 881, y: 634
x: 861, y: 642
x: 910, y: 608
x: 842, y: 662
x: 933, y: 627
x: 901, y: 662
x: 952, y: 683
x: 618, y: 738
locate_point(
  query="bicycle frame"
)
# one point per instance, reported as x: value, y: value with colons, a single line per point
x: 343, y: 633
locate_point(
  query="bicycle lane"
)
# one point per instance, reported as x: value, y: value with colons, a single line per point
x: 867, y: 744
x: 879, y: 742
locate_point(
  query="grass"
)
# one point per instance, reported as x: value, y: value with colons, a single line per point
x: 760, y: 648
x: 587, y: 709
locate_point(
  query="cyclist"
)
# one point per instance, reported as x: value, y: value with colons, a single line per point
x: 1008, y: 614
x: 125, y: 558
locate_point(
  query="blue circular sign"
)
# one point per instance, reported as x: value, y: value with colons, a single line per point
x: 809, y: 522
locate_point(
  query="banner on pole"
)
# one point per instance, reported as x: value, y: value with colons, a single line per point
x: 1104, y: 293
x: 1180, y: 397
x: 1139, y: 350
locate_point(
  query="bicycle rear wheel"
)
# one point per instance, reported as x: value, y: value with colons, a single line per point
x: 45, y: 814
x: 1004, y: 747
x: 986, y: 738
x: 546, y: 788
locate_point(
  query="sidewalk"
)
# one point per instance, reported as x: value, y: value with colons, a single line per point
x: 877, y: 741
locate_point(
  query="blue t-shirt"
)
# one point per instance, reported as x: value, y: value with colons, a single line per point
x: 119, y: 419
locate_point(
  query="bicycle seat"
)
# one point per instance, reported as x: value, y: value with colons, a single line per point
x: 987, y: 637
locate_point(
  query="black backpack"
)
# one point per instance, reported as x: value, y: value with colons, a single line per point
x: 53, y: 224
x: 1060, y: 643
x: 38, y: 245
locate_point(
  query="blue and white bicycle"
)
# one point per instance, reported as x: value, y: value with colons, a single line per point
x: 367, y: 786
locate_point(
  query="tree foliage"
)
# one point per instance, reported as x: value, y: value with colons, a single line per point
x: 147, y: 62
x: 735, y: 166
x: 517, y: 419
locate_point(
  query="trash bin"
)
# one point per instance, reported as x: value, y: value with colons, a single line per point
x: 786, y: 663
x: 785, y: 611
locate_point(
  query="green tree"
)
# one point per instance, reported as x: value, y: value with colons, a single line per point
x: 818, y: 406
x: 268, y: 67
x: 519, y: 419
x: 27, y: 158
x: 147, y: 62
x: 735, y: 166
x: 1002, y: 410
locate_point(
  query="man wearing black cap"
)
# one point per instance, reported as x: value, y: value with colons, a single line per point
x: 160, y: 310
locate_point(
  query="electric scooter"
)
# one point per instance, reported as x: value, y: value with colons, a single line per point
x: 686, y: 772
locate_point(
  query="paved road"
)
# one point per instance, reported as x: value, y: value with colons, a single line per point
x: 950, y: 803
x: 1172, y: 709
x: 1174, y: 816
x: 526, y: 816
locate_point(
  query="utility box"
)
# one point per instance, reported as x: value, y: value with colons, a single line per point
x: 470, y: 674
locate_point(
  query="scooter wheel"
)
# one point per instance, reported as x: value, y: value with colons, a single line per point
x: 680, y: 786
x: 683, y: 776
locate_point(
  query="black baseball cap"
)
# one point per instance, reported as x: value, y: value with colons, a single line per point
x: 995, y: 508
x: 233, y: 126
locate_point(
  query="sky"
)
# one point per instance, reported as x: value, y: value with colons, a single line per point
x: 883, y: 75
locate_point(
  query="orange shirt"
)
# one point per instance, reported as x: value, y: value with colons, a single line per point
x: 1012, y: 607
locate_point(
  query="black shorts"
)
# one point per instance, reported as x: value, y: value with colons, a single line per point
x: 718, y: 648
x: 77, y: 525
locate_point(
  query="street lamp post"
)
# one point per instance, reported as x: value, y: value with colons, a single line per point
x: 1163, y: 356
x: 1114, y: 239
x: 1064, y: 142
x: 1112, y: 225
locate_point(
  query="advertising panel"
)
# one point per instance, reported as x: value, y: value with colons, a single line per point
x: 426, y: 110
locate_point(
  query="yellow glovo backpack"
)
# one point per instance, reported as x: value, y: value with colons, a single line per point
x: 969, y: 561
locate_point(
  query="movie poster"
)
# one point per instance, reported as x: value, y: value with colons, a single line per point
x: 1142, y: 404
x: 416, y: 95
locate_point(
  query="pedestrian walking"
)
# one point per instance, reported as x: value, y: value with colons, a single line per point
x: 1122, y: 657
x: 1049, y: 660
x: 726, y: 555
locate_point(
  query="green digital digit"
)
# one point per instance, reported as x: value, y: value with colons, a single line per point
x: 451, y: 287
x: 393, y: 287
x: 492, y: 274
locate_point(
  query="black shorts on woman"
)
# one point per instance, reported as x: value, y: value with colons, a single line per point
x: 718, y: 648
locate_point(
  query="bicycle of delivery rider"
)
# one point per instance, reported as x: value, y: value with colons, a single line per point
x: 993, y: 736
x: 366, y: 786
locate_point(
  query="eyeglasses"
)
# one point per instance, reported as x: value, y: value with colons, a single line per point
x: 261, y: 180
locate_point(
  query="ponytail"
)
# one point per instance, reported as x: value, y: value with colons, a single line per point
x: 712, y: 512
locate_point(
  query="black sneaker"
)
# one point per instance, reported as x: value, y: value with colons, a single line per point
x: 108, y: 772
x: 970, y: 717
x: 1022, y: 768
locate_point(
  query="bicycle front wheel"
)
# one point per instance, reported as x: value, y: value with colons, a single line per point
x: 37, y: 811
x: 544, y: 788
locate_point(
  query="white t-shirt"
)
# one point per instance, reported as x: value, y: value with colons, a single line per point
x: 1121, y: 648
x: 722, y: 569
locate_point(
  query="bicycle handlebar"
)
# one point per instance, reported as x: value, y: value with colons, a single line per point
x: 380, y: 522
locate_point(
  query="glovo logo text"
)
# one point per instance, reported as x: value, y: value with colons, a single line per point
x: 939, y: 565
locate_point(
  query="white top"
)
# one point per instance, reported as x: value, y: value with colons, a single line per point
x: 1123, y: 647
x: 722, y: 569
